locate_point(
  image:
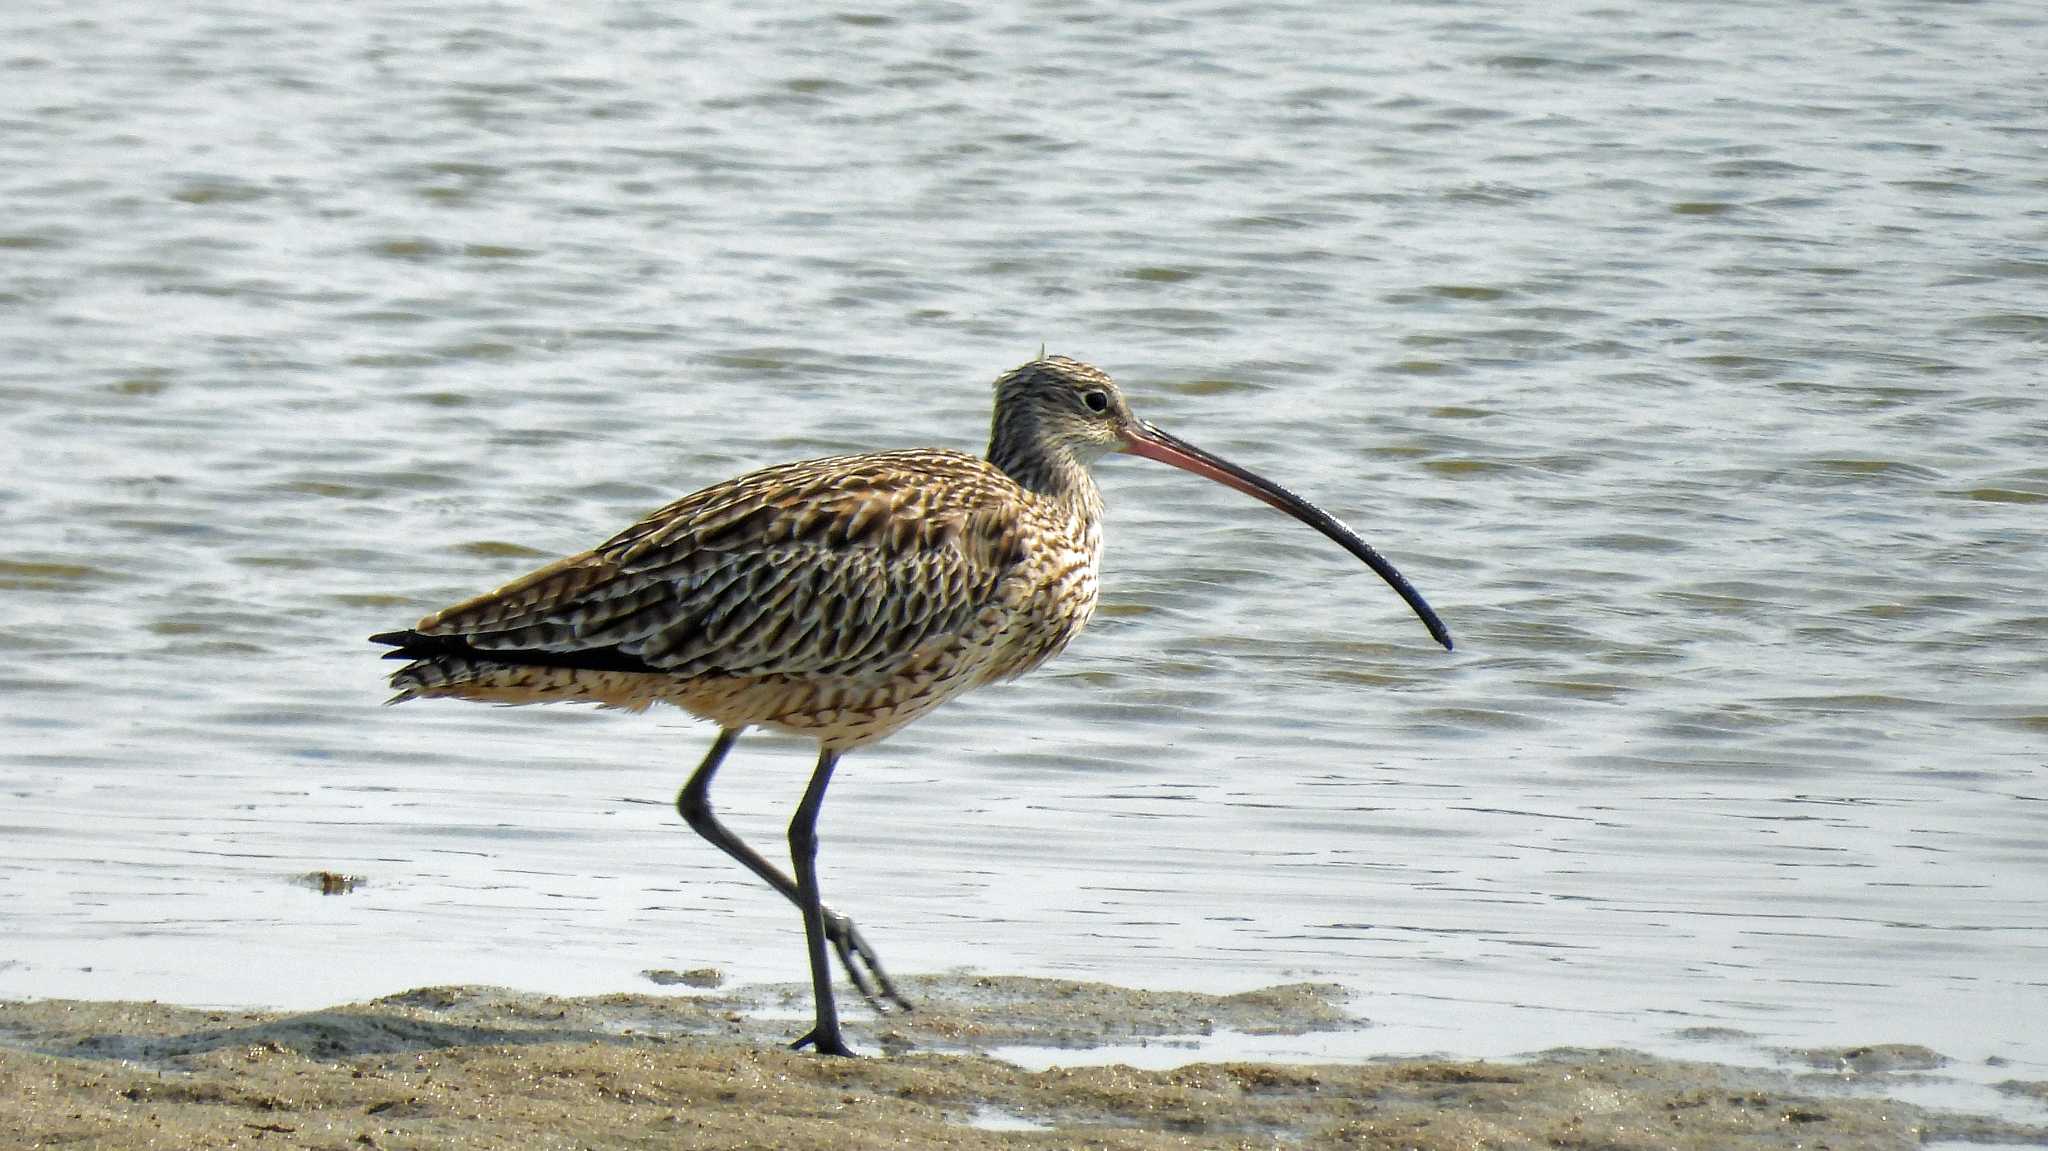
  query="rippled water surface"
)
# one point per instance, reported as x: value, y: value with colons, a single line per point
x: 1688, y: 357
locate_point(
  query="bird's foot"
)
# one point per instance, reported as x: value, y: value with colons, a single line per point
x: 832, y: 1043
x: 863, y: 966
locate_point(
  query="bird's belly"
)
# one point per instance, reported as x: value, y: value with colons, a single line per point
x: 841, y: 713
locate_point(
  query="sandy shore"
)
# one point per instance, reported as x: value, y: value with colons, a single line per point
x: 486, y: 1068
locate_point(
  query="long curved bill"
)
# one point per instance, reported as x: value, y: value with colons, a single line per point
x: 1143, y: 439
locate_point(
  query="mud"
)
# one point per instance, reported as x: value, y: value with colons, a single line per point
x: 450, y: 1067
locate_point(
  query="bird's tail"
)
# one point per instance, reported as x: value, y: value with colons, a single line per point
x: 447, y: 665
x: 435, y: 665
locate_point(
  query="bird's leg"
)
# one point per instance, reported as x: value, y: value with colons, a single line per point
x: 855, y: 954
x: 803, y: 853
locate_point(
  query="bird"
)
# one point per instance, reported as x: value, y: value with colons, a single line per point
x: 839, y: 599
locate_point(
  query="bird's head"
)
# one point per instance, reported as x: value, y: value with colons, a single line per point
x: 1060, y: 407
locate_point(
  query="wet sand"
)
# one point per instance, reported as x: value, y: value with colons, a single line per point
x: 484, y: 1067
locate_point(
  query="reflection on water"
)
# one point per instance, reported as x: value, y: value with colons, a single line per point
x: 1689, y: 363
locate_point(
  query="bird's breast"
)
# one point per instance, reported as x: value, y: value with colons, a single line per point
x: 1047, y: 599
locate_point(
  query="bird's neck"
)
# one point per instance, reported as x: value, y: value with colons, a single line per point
x: 1050, y: 471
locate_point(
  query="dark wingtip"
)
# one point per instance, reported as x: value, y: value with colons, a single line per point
x: 410, y: 644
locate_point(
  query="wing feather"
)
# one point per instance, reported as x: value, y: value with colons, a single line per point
x: 836, y: 567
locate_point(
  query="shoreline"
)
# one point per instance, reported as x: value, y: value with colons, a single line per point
x: 476, y: 1066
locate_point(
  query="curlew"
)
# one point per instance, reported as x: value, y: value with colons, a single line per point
x: 838, y: 599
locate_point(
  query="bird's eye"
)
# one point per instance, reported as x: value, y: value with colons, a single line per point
x: 1096, y: 401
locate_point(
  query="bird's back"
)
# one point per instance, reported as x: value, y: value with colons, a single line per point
x: 841, y: 597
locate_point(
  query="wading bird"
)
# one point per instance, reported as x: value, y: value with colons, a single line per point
x: 837, y: 598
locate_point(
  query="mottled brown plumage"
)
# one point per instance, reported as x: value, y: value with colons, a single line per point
x: 839, y: 598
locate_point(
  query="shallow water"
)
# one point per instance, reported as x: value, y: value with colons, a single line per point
x: 1688, y: 360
